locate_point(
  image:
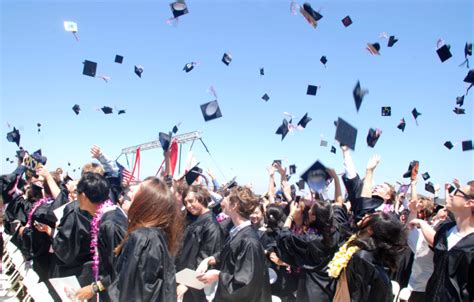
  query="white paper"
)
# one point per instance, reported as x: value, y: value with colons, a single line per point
x: 69, y: 284
x: 59, y: 212
x: 188, y: 277
x: 70, y: 26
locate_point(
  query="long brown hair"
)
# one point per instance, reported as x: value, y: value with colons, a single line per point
x: 154, y: 205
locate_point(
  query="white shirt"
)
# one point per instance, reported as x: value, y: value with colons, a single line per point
x: 422, y: 267
x: 454, y: 237
x: 236, y: 229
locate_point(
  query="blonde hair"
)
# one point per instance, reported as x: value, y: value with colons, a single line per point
x: 94, y: 168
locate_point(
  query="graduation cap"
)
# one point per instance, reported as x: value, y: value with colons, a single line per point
x: 373, y: 48
x: 38, y: 156
x: 459, y: 110
x: 415, y: 113
x: 333, y: 149
x: 467, y: 145
x: 429, y: 186
x: 311, y: 90
x: 192, y: 175
x: 39, y: 126
x: 386, y: 111
x: 346, y: 134
x: 7, y: 159
x: 262, y: 71
x: 444, y: 53
x: 76, y: 109
x: 89, y: 68
x: 323, y: 60
x: 402, y: 125
x: 469, y: 77
x: 292, y: 169
x: 425, y: 176
x: 448, y: 145
x: 316, y: 176
x: 310, y: 15
x: 283, y: 129
x: 211, y: 111
x: 265, y: 97
x: 226, y: 58
x: 175, y: 129
x: 460, y: 100
x: 189, y: 66
x: 323, y: 143
x: 69, y: 164
x: 106, y: 110
x: 122, y: 111
x: 300, y: 184
x: 359, y: 94
x: 138, y: 70
x: 412, y: 171
x: 346, y: 21
x: 14, y: 136
x: 118, y: 59
x: 304, y: 120
x: 165, y: 140
x: 373, y: 137
x: 468, y: 49
x: 391, y: 41
x: 179, y: 8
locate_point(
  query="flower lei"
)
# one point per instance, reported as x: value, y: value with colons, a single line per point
x: 342, y: 258
x: 95, y: 224
x: 35, y: 206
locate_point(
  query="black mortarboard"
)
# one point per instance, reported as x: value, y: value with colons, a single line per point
x: 14, y: 136
x: 415, y: 113
x: 346, y: 134
x: 311, y: 90
x: 467, y: 145
x: 165, y: 140
x: 138, y: 70
x: 76, y: 109
x: 68, y: 163
x: 106, y: 110
x: 391, y: 41
x: 412, y: 171
x: 226, y: 59
x: 38, y: 156
x: 430, y: 187
x: 358, y: 94
x: 373, y: 136
x: 333, y: 149
x: 311, y: 15
x: 188, y: 67
x: 459, y: 110
x: 448, y: 145
x: 211, y: 111
x: 262, y: 71
x: 292, y: 169
x: 386, y: 111
x: 300, y: 184
x: 265, y: 97
x: 469, y: 77
x: 304, y: 120
x: 283, y: 129
x: 179, y: 8
x: 444, y: 53
x: 468, y: 49
x: 118, y: 59
x: 323, y: 60
x: 192, y: 175
x: 402, y: 125
x: 122, y: 111
x: 175, y: 129
x: 346, y: 21
x: 373, y: 48
x: 7, y: 159
x: 39, y: 126
x: 89, y: 68
x: 316, y: 176
x: 460, y: 100
x: 425, y: 176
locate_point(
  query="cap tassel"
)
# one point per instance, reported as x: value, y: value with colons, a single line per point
x: 75, y: 36
x: 465, y: 62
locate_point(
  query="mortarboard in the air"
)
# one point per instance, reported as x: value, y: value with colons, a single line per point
x: 14, y: 136
x: 300, y: 184
x: 226, y: 58
x: 373, y: 136
x: 412, y: 171
x: 118, y: 59
x: 38, y: 156
x: 262, y: 71
x: 69, y: 164
x: 386, y: 111
x: 467, y: 145
x: 189, y: 66
x: 415, y: 114
x: 304, y: 120
x: 138, y: 70
x: 192, y: 175
x: 358, y: 94
x: 106, y: 110
x: 316, y: 176
x: 283, y: 129
x: 292, y: 169
x: 469, y: 77
x: 333, y: 149
x: 7, y: 159
x: 391, y: 41
x: 468, y: 49
x: 444, y: 53
x: 165, y: 140
x: 323, y: 60
x: 39, y: 126
x: 346, y: 134
x: 425, y: 176
x: 89, y: 68
x: 448, y: 145
x: 211, y: 111
x: 311, y: 90
x: 459, y: 110
x: 323, y: 143
x: 179, y: 8
x: 175, y: 129
x: 402, y: 125
x: 429, y: 187
x: 76, y: 109
x: 310, y: 14
x: 122, y: 111
x: 265, y: 97
x: 346, y: 21
x: 373, y: 48
x: 460, y: 100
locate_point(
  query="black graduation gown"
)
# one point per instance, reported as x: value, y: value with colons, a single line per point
x: 8, y: 181
x: 453, y: 274
x: 145, y: 270
x: 112, y: 230
x: 367, y: 280
x: 17, y: 209
x: 243, y: 273
x: 202, y: 238
x: 360, y: 205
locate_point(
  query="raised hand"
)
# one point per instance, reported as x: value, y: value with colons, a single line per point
x: 373, y: 162
x: 96, y: 152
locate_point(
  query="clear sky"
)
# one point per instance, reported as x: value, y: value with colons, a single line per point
x: 41, y: 79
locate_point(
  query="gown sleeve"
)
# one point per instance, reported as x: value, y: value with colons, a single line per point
x: 111, y: 234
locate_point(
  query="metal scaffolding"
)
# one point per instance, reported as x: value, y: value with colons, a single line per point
x: 181, y: 139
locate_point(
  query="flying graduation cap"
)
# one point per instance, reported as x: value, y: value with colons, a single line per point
x: 265, y: 97
x: 460, y: 100
x: 118, y: 59
x: 391, y: 41
x: 211, y: 111
x: 226, y: 58
x: 14, y: 136
x: 304, y: 121
x: 459, y: 110
x: 444, y: 52
x: 262, y: 71
x: 386, y: 111
x: 310, y: 15
x: 122, y: 111
x: 106, y: 110
x: 415, y: 114
x: 346, y: 21
x: 165, y: 140
x: 312, y: 89
x: 323, y: 60
x: 358, y: 94
x: 189, y: 66
x: 373, y: 137
x: 467, y: 53
x: 71, y: 27
x: 89, y: 68
x: 283, y: 129
x: 373, y: 48
x: 467, y: 145
x: 469, y: 79
x: 402, y: 125
x: 448, y: 145
x: 179, y: 8
x: 76, y: 109
x: 346, y: 134
x: 39, y: 127
x: 139, y: 70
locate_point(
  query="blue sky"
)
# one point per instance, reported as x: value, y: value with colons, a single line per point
x: 41, y: 79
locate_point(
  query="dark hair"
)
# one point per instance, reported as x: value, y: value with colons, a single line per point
x: 324, y: 223
x: 57, y: 180
x: 387, y: 240
x: 94, y: 186
x: 154, y: 205
x: 275, y: 217
x: 245, y: 199
x: 200, y: 193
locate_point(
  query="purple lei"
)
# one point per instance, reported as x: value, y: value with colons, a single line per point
x: 95, y: 224
x: 35, y: 206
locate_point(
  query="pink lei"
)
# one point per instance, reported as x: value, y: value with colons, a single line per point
x: 95, y: 224
x: 35, y: 206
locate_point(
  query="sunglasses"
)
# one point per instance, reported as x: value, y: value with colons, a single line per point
x: 466, y: 196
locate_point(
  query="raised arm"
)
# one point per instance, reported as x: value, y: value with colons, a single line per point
x: 271, y: 184
x: 338, y: 199
x: 55, y: 190
x: 369, y: 172
x: 110, y: 166
x: 350, y: 169
x: 284, y: 181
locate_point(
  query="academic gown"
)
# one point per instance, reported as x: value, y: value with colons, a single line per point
x: 8, y: 181
x: 360, y: 205
x: 17, y: 209
x: 202, y: 238
x: 243, y: 273
x: 453, y: 274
